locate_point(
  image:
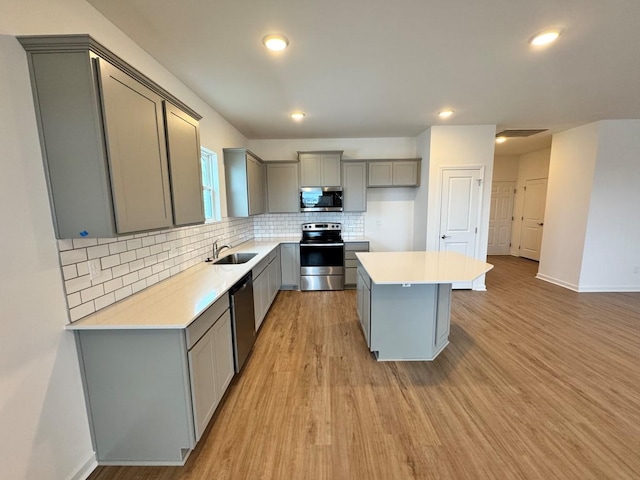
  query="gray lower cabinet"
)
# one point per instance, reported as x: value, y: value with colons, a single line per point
x: 351, y: 262
x: 265, y: 285
x: 363, y: 303
x: 354, y: 184
x: 290, y: 263
x: 283, y: 193
x: 394, y: 173
x: 103, y: 139
x: 151, y: 392
x: 245, y: 181
x: 183, y: 147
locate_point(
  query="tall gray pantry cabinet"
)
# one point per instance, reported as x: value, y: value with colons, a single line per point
x: 104, y: 129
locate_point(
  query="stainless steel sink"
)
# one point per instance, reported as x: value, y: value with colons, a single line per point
x: 235, y: 259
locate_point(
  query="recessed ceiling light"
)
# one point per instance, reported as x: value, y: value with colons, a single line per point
x: 445, y: 113
x: 501, y: 139
x: 275, y: 42
x: 297, y: 116
x: 545, y: 38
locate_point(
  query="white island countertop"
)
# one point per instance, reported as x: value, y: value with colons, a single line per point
x: 178, y: 300
x: 421, y: 267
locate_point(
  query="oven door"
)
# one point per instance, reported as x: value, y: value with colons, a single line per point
x: 321, y: 266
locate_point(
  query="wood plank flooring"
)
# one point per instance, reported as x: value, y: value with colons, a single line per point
x: 538, y: 382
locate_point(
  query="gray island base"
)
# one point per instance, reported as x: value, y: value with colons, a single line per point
x: 404, y: 300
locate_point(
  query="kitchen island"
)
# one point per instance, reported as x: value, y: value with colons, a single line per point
x: 404, y: 300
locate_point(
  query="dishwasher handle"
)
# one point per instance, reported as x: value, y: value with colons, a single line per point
x: 241, y: 284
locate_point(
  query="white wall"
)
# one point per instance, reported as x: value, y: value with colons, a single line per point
x: 571, y: 171
x: 612, y: 241
x: 460, y: 146
x: 530, y: 166
x: 389, y: 215
x: 423, y: 149
x: 43, y: 425
x: 505, y: 168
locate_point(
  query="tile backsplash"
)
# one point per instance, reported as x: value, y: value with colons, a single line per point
x: 132, y: 263
x: 288, y: 224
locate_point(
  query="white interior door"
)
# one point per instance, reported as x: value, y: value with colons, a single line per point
x: 535, y: 196
x: 460, y: 212
x: 500, y: 218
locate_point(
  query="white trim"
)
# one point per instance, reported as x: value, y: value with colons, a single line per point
x: 609, y: 289
x: 555, y: 281
x: 86, y: 469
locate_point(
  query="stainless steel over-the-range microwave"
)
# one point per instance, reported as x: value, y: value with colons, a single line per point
x: 321, y: 199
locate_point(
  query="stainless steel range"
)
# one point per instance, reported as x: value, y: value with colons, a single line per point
x: 321, y: 257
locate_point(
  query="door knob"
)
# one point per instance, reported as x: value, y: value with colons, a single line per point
x: 445, y: 236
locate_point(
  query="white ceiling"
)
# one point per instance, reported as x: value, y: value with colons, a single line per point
x: 377, y: 68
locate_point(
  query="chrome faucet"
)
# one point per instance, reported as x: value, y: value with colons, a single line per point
x: 216, y: 250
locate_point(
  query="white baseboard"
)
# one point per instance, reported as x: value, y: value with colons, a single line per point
x: 608, y: 288
x: 83, y: 472
x: 558, y: 282
x: 480, y: 288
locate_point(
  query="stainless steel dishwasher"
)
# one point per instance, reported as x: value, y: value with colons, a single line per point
x: 243, y: 319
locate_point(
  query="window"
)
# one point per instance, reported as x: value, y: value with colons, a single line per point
x: 210, y: 185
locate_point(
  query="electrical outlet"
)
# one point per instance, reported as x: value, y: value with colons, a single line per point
x: 94, y: 268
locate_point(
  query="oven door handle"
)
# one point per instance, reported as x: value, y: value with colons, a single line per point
x: 322, y: 244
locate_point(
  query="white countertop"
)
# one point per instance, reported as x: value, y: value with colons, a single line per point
x: 421, y: 267
x: 178, y: 300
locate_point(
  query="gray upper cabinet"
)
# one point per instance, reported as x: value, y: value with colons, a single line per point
x: 103, y: 138
x: 245, y: 180
x: 282, y: 187
x: 136, y: 151
x: 394, y: 173
x: 354, y: 178
x: 183, y: 146
x: 320, y: 169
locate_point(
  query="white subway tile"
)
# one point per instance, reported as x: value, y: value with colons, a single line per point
x: 105, y: 300
x: 145, y: 272
x: 127, y: 257
x: 120, y: 270
x: 77, y: 284
x: 164, y: 274
x: 104, y: 241
x: 84, y: 242
x: 136, y: 265
x: 83, y: 268
x: 148, y: 241
x: 155, y: 249
x: 91, y: 293
x: 69, y: 272
x: 123, y: 293
x: 113, y: 285
x: 129, y: 279
x: 134, y: 244
x: 152, y: 260
x: 73, y: 256
x: 117, y: 247
x: 141, y: 285
x: 105, y: 276
x: 74, y: 300
x: 97, y: 252
x: 142, y: 252
x: 157, y: 268
x: 152, y: 279
x: 110, y: 261
x: 81, y: 311
x: 65, y: 244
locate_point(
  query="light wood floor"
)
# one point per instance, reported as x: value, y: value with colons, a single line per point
x: 538, y: 382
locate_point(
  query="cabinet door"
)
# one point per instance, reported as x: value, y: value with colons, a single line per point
x: 354, y: 175
x: 330, y: 170
x: 405, y: 174
x: 202, y: 359
x: 256, y: 180
x: 260, y: 285
x: 380, y: 174
x: 223, y: 354
x: 282, y: 188
x: 183, y: 147
x: 290, y: 261
x: 310, y: 170
x: 273, y: 280
x: 136, y: 151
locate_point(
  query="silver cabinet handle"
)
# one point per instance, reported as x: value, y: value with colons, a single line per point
x: 541, y: 224
x: 445, y: 236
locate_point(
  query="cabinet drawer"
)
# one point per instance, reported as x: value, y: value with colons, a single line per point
x: 350, y: 276
x: 205, y: 321
x: 350, y: 263
x: 273, y: 254
x: 365, y: 277
x: 356, y: 246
